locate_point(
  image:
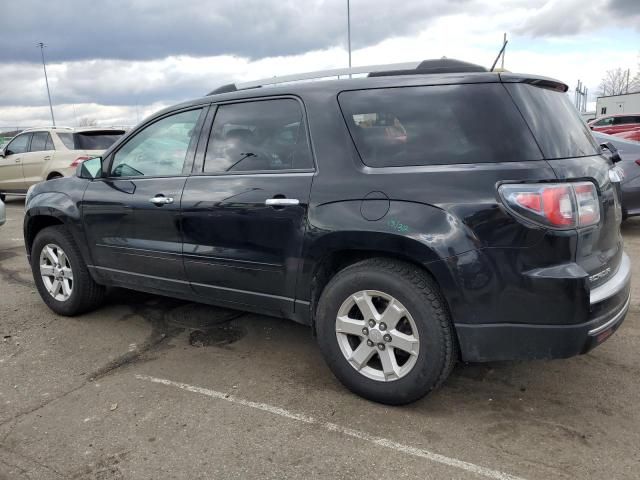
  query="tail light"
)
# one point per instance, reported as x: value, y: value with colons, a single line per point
x: 555, y: 205
x: 79, y: 160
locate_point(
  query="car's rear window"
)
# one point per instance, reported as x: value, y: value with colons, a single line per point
x: 554, y: 120
x: 435, y: 125
x: 96, y: 140
x: 90, y: 140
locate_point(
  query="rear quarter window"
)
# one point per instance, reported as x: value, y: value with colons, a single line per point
x: 436, y: 125
x: 554, y: 121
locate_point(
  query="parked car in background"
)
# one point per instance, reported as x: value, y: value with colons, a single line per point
x: 3, y: 214
x: 629, y: 152
x: 41, y: 154
x: 403, y: 245
x: 612, y: 124
x: 633, y: 135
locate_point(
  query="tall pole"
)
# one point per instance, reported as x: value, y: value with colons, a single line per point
x: 349, y: 31
x: 504, y: 41
x: 46, y: 80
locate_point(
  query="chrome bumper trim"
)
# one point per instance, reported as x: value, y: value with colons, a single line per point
x: 614, y: 320
x: 615, y: 283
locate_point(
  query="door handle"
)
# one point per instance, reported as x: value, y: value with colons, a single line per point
x: 18, y: 160
x: 281, y: 202
x: 160, y: 200
x: 48, y: 157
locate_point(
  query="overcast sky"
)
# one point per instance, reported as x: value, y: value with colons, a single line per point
x: 120, y: 60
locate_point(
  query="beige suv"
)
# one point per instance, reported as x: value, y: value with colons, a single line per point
x: 41, y: 154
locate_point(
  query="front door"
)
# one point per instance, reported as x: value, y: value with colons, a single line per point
x: 11, y: 176
x: 244, y: 210
x: 132, y: 216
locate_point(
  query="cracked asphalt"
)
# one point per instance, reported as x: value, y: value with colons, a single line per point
x: 239, y: 389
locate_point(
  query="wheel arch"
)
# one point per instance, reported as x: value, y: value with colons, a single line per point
x: 329, y: 260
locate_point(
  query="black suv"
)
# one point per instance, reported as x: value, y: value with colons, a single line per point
x: 411, y: 218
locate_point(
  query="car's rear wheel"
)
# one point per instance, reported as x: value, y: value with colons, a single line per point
x: 3, y: 197
x: 61, y: 275
x: 53, y: 176
x: 385, y: 332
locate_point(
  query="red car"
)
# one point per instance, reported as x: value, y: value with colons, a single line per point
x: 630, y: 134
x: 613, y: 124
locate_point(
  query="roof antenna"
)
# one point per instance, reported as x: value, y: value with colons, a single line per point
x: 500, y: 53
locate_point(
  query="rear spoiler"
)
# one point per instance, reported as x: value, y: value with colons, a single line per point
x: 542, y: 82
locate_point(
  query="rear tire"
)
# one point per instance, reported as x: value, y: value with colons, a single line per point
x: 53, y: 176
x: 405, y: 361
x: 3, y: 197
x: 61, y: 275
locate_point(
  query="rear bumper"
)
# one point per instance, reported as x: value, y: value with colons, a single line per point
x: 608, y: 307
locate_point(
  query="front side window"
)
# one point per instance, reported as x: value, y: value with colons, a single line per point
x: 40, y: 141
x: 160, y: 149
x: 18, y: 144
x: 258, y: 135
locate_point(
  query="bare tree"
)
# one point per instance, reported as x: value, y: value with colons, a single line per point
x: 87, y: 122
x: 614, y: 83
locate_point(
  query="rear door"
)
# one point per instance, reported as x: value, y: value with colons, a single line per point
x: 132, y: 216
x: 244, y: 209
x: 11, y: 176
x: 34, y: 161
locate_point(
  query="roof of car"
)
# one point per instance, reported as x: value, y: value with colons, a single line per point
x: 302, y: 88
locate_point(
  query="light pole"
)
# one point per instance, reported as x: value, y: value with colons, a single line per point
x: 349, y: 31
x: 46, y: 80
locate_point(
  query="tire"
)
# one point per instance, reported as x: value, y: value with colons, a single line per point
x: 3, y: 197
x: 53, y: 176
x: 412, y: 291
x: 84, y: 294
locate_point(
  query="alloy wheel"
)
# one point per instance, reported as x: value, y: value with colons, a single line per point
x: 377, y: 335
x: 56, y: 272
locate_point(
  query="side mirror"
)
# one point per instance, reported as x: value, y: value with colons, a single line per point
x: 90, y: 169
x: 614, y: 155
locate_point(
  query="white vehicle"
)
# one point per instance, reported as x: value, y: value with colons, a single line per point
x: 39, y: 154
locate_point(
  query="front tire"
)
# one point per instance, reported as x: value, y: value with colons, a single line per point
x: 385, y: 332
x: 61, y: 275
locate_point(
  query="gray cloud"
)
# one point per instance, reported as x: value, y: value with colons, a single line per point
x: 625, y: 7
x: 149, y: 29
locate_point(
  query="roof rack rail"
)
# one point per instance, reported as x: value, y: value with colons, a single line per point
x: 443, y: 65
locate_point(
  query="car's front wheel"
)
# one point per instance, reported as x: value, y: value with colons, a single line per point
x: 384, y: 330
x: 61, y: 275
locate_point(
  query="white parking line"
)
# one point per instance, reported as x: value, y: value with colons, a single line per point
x: 332, y: 427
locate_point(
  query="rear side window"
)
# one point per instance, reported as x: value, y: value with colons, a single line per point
x: 555, y: 122
x: 436, y: 125
x: 67, y: 139
x: 258, y: 135
x: 623, y: 120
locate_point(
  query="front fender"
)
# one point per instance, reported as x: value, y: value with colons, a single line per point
x: 51, y: 208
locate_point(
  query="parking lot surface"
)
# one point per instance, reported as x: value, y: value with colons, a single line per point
x: 151, y: 387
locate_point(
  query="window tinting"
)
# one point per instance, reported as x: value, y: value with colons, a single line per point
x: 39, y: 142
x: 259, y: 135
x: 436, y: 125
x: 96, y: 140
x: 555, y: 122
x: 49, y: 144
x: 604, y: 122
x: 623, y: 120
x: 160, y: 149
x: 19, y: 144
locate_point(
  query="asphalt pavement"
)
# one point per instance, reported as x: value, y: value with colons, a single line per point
x: 149, y: 387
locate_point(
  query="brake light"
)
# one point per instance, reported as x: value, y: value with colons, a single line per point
x: 79, y: 160
x: 556, y: 205
x: 638, y: 162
